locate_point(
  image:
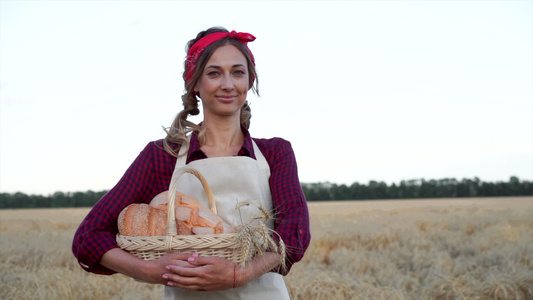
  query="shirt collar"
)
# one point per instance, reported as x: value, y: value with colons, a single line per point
x: 196, y: 153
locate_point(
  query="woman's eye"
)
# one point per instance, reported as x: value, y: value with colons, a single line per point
x: 239, y: 72
x: 212, y: 73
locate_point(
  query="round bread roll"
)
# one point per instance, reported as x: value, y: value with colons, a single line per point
x: 141, y: 219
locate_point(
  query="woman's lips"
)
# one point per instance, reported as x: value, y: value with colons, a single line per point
x: 226, y: 97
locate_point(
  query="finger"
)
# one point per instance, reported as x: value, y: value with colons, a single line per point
x: 184, y: 270
x: 175, y: 280
x: 178, y: 264
x: 180, y: 256
x: 207, y: 260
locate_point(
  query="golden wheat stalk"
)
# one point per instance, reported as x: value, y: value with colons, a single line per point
x: 256, y: 239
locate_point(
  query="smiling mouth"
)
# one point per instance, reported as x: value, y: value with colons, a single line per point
x: 227, y: 97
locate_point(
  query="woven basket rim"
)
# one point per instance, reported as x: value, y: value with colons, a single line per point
x: 192, y: 236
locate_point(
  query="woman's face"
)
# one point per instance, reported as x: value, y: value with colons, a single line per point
x: 224, y: 82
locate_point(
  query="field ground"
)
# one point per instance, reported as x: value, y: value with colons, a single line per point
x: 472, y: 248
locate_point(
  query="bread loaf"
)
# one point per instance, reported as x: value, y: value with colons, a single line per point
x: 142, y: 220
x: 191, y: 218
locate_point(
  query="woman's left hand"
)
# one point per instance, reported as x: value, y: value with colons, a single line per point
x: 203, y: 274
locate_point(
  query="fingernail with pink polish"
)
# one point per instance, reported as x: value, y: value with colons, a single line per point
x: 196, y: 254
x: 190, y: 259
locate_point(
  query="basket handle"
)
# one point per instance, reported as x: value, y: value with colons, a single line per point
x: 171, y: 215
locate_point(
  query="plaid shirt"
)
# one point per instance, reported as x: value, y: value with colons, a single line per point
x: 150, y: 175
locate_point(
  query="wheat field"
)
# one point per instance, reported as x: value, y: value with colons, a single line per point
x: 475, y: 248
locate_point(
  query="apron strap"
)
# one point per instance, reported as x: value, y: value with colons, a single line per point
x: 182, y: 155
x: 261, y: 160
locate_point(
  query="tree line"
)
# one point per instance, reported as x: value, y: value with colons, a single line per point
x: 418, y: 188
x: 322, y: 191
x: 57, y: 199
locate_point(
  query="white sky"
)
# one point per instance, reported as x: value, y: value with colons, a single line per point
x: 364, y: 90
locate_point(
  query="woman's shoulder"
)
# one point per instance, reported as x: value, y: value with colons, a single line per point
x: 159, y: 145
x: 157, y: 148
x: 274, y: 141
x: 154, y: 146
x: 273, y: 146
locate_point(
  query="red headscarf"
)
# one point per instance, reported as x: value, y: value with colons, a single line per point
x: 199, y: 47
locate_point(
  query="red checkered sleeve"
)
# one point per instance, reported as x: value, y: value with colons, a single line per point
x: 147, y: 176
x: 288, y: 200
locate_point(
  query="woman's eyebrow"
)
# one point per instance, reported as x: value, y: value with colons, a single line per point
x: 219, y: 67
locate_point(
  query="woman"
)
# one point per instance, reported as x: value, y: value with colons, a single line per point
x: 219, y: 70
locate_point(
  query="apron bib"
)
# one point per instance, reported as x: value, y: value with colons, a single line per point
x: 241, y: 189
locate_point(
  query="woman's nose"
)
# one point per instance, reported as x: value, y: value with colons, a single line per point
x: 227, y: 83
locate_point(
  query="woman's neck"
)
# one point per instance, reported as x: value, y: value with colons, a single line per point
x: 222, y: 138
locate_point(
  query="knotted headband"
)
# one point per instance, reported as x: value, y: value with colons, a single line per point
x: 198, y: 48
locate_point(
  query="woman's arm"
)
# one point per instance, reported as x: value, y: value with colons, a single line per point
x: 147, y: 176
x: 291, y: 213
x: 150, y: 271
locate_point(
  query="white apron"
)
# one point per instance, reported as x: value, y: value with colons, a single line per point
x: 233, y: 180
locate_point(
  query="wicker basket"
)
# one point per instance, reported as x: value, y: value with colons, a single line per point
x: 228, y: 245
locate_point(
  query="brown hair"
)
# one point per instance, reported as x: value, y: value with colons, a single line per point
x: 177, y: 132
